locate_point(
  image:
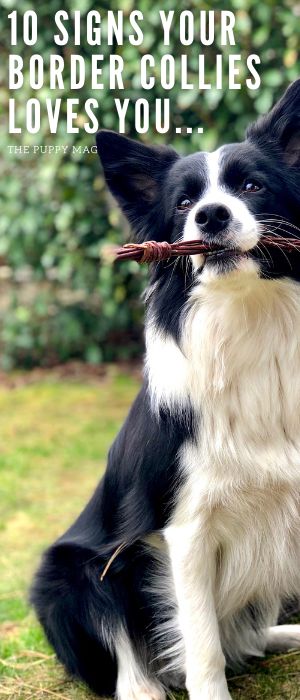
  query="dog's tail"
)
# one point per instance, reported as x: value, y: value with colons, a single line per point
x: 76, y: 610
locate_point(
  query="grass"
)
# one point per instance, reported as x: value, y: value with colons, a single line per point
x: 55, y: 433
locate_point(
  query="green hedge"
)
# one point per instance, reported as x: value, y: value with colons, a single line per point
x: 60, y: 298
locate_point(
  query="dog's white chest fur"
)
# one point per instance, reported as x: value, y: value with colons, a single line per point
x: 242, y: 345
x: 239, y: 366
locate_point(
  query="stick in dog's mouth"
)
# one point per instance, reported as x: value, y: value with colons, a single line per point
x: 157, y: 251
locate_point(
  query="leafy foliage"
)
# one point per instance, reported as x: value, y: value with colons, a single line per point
x: 61, y: 298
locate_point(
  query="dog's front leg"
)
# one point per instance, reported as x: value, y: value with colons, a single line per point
x: 193, y: 563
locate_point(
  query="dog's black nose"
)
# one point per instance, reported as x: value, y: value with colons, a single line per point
x: 213, y: 218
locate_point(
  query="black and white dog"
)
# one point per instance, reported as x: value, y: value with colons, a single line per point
x: 190, y: 546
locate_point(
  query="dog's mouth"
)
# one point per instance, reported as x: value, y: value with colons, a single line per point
x: 225, y: 254
x: 225, y: 257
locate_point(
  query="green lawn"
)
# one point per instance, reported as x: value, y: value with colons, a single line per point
x: 55, y: 433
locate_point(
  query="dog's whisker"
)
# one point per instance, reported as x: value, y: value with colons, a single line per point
x: 278, y: 246
x: 291, y: 244
x: 282, y: 222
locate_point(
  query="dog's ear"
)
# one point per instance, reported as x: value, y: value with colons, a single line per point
x: 135, y: 174
x: 281, y: 126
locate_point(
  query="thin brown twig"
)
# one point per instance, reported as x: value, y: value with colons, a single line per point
x: 41, y: 689
x: 157, y: 251
x: 31, y: 652
x: 278, y: 657
x: 112, y: 558
x: 23, y: 666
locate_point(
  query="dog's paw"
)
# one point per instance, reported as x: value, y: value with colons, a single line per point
x: 150, y: 695
x: 210, y: 690
x: 149, y: 691
x: 210, y: 694
x: 283, y: 638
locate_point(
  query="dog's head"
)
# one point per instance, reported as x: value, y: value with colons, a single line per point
x: 231, y: 196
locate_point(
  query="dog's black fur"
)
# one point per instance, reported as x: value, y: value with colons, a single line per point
x: 133, y: 499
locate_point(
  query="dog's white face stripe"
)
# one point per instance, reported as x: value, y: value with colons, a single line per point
x: 243, y: 231
x: 213, y: 165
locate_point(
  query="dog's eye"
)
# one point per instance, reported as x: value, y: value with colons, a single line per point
x: 184, y: 203
x: 251, y: 186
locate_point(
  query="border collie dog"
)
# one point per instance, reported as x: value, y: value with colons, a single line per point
x: 190, y: 547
